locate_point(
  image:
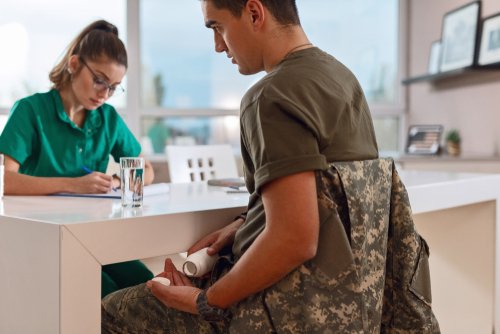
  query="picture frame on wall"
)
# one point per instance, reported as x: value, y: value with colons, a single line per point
x: 459, y: 37
x: 434, y: 57
x: 489, y: 52
x: 424, y: 139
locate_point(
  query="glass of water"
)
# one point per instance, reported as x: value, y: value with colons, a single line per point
x: 132, y: 181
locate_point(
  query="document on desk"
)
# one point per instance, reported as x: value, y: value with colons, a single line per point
x: 235, y: 182
x: 149, y: 190
x: 232, y: 185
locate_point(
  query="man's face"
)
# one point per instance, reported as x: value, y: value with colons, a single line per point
x: 233, y: 35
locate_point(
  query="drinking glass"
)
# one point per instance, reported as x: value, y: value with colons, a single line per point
x: 132, y: 181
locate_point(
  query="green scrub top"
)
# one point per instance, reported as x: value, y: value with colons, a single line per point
x: 41, y: 137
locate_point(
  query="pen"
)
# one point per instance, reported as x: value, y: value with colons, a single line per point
x: 86, y: 170
x: 89, y: 171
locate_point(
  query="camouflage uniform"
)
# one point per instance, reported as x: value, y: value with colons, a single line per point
x: 370, y: 274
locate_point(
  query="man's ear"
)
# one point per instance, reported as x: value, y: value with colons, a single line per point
x: 255, y: 9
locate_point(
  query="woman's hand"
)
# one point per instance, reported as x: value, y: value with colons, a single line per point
x: 93, y: 183
x: 217, y: 240
x: 116, y: 181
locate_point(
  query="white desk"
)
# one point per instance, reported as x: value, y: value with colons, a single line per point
x: 52, y: 248
x: 459, y: 216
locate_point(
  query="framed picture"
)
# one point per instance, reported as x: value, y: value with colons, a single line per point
x: 424, y: 139
x: 459, y: 37
x: 489, y: 53
x: 434, y: 57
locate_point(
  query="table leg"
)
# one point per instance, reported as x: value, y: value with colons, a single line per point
x: 80, y: 287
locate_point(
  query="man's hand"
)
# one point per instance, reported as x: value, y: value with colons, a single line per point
x: 217, y: 240
x: 180, y: 295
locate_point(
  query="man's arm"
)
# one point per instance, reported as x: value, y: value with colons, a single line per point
x: 289, y: 239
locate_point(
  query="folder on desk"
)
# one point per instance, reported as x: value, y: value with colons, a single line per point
x: 149, y: 190
x: 235, y: 182
x: 234, y: 185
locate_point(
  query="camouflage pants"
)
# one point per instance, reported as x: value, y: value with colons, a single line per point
x: 136, y: 310
x: 369, y: 276
x: 299, y: 303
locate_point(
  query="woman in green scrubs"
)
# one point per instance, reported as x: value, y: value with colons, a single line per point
x: 53, y: 139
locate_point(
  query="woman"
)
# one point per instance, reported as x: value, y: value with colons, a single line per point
x: 61, y: 140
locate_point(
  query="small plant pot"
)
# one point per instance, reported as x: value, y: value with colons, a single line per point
x: 453, y: 148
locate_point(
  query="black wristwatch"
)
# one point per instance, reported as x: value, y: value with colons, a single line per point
x: 208, y: 312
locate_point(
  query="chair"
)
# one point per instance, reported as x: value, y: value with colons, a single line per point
x: 190, y: 163
x: 200, y: 162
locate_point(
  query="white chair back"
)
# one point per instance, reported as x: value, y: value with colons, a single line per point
x: 200, y: 162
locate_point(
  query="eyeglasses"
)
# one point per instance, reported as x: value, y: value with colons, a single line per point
x: 101, y: 85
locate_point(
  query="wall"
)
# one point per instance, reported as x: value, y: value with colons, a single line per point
x: 470, y: 103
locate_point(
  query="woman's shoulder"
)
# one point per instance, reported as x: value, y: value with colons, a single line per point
x: 108, y: 108
x: 44, y: 96
x: 108, y: 112
x: 109, y: 116
x: 35, y: 101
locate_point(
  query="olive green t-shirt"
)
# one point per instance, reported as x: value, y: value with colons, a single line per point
x: 41, y: 137
x: 308, y: 111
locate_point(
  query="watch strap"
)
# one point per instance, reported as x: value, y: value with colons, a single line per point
x: 208, y: 312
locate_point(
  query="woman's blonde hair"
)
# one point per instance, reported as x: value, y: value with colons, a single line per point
x: 98, y: 39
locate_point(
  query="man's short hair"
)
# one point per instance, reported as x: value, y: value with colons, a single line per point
x: 284, y: 11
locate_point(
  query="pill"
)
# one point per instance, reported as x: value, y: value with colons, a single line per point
x: 163, y: 280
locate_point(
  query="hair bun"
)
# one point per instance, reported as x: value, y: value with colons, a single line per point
x: 106, y: 26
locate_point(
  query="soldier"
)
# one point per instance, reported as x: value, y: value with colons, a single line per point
x: 301, y: 260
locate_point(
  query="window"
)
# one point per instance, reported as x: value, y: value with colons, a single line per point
x: 34, y: 35
x: 363, y: 35
x: 180, y: 76
x: 181, y: 71
x: 387, y: 133
x: 180, y: 68
x: 189, y: 130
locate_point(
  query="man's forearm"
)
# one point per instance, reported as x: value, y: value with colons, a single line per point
x: 265, y: 263
x: 290, y: 238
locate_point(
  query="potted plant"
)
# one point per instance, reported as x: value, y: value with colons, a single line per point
x: 453, y: 142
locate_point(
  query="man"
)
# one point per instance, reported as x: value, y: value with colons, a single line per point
x: 309, y: 110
